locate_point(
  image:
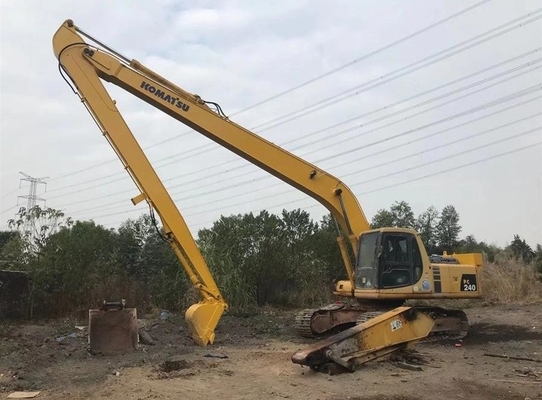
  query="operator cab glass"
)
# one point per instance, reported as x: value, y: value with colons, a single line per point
x: 388, y: 260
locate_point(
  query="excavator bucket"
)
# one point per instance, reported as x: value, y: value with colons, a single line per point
x: 113, y: 328
x: 394, y: 330
x: 202, y: 319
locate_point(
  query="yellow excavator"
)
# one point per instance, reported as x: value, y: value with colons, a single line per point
x: 384, y: 267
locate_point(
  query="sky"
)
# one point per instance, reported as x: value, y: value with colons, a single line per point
x: 415, y: 101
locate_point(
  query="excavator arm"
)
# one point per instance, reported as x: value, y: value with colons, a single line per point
x: 86, y: 64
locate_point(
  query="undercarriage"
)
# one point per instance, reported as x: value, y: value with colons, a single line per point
x: 337, y: 317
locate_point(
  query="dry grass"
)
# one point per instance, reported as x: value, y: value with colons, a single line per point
x: 506, y: 281
x: 511, y: 281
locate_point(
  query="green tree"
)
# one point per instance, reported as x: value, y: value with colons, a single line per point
x: 37, y: 224
x: 400, y: 214
x: 426, y: 225
x: 225, y: 247
x: 149, y: 262
x: 403, y: 215
x: 469, y: 244
x: 269, y: 259
x: 5, y: 237
x: 521, y: 250
x: 79, y: 269
x: 298, y: 231
x: 246, y: 254
x: 382, y: 219
x: 448, y: 229
x: 538, y: 259
x: 327, y: 252
x: 25, y: 251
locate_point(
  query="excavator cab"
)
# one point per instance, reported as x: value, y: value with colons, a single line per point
x: 388, y: 260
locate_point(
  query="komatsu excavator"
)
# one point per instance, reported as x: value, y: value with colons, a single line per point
x: 384, y: 267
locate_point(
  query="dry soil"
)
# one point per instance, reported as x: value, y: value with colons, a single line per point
x: 251, y: 360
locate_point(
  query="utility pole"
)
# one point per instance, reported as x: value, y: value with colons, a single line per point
x: 32, y: 197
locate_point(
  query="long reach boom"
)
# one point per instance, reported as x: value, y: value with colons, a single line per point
x: 87, y: 64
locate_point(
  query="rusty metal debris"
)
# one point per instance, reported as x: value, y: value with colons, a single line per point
x: 113, y: 328
x: 385, y: 334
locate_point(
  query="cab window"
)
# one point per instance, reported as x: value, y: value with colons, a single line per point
x: 400, y: 262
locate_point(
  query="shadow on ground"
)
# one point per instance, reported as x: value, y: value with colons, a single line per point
x: 483, y: 333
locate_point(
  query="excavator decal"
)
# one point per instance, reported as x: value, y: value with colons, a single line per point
x: 468, y: 283
x: 166, y: 97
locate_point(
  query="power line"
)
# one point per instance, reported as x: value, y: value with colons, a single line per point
x: 336, y: 134
x: 495, y: 156
x: 423, y: 103
x: 387, y: 149
x: 306, y: 83
x: 208, y: 147
x: 384, y: 187
x: 312, y: 80
x: 9, y: 209
x: 455, y: 168
x: 101, y: 178
x: 391, y: 174
x: 425, y: 164
x: 437, y: 147
x: 10, y: 193
x: 405, y: 133
x: 513, y: 96
x: 333, y: 100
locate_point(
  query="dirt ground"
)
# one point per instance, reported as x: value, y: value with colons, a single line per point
x: 250, y: 359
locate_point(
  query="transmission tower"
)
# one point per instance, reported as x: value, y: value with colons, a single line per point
x: 32, y: 197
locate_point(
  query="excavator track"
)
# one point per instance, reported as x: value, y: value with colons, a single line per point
x: 449, y: 324
x: 303, y: 322
x: 333, y: 318
x: 328, y: 320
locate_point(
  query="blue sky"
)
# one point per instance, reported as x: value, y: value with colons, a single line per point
x: 239, y: 53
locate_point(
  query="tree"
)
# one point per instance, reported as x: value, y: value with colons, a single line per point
x: 399, y: 215
x: 244, y: 253
x: 448, y: 229
x: 403, y: 216
x: 426, y: 225
x: 78, y: 269
x: 37, y: 224
x: 538, y: 259
x: 469, y: 244
x: 521, y: 250
x: 5, y: 237
x: 327, y: 252
x: 299, y: 231
x: 383, y: 218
